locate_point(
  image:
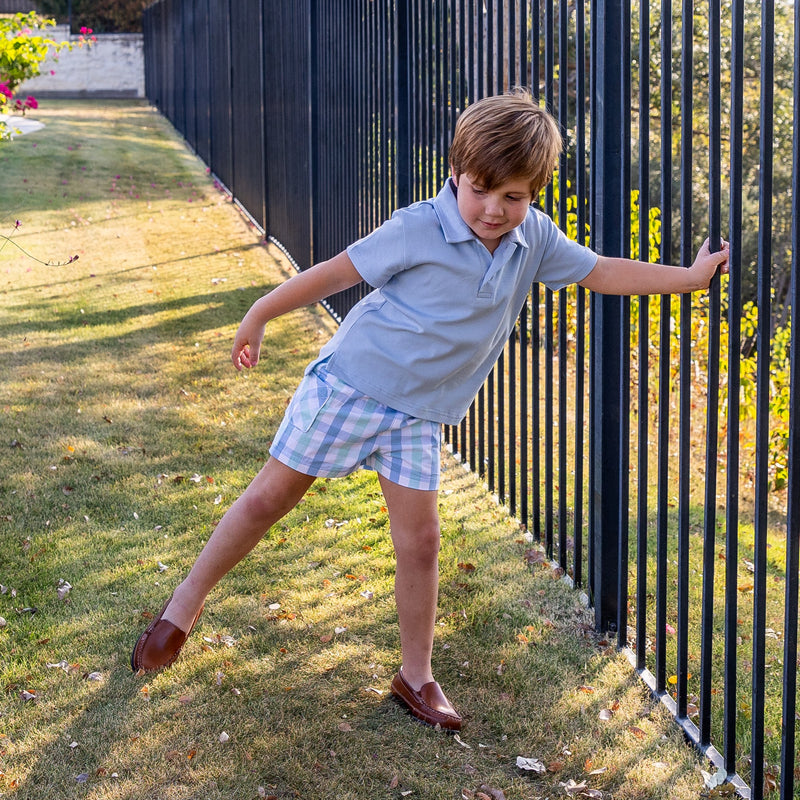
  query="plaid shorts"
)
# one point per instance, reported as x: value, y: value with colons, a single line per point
x: 331, y: 429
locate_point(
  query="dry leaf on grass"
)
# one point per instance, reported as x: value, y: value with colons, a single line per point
x: 530, y: 764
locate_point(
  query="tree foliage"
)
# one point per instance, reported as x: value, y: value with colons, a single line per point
x: 103, y: 16
x: 752, y: 89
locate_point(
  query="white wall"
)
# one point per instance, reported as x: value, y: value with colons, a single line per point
x: 112, y: 67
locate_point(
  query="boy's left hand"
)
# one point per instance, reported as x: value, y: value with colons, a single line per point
x: 706, y: 263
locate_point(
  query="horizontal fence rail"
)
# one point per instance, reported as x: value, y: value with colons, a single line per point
x: 649, y: 445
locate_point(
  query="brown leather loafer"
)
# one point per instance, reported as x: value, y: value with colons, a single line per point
x: 428, y: 704
x: 160, y: 643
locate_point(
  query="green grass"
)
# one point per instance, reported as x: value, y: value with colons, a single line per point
x: 125, y: 433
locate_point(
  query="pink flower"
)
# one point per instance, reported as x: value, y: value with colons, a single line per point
x: 4, y: 90
x: 31, y: 102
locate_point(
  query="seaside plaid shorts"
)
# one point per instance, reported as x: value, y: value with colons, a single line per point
x: 330, y: 430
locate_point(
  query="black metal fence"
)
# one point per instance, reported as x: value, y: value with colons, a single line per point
x: 651, y: 445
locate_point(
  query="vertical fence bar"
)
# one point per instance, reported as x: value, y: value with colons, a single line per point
x: 563, y: 194
x: 664, y: 351
x: 624, y: 340
x: 789, y: 706
x: 580, y: 311
x: 536, y: 502
x: 403, y: 106
x: 734, y: 372
x: 549, y: 345
x: 712, y: 409
x: 644, y: 339
x: 607, y: 316
x: 685, y: 413
x: 762, y: 398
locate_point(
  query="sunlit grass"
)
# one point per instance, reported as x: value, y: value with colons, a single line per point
x: 124, y: 435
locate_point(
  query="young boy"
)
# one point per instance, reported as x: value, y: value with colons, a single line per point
x: 451, y: 275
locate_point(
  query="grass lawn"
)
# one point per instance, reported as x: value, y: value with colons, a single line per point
x: 125, y: 433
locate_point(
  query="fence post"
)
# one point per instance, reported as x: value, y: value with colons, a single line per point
x: 608, y: 205
x: 403, y: 109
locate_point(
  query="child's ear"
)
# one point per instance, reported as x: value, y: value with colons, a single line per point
x: 454, y: 176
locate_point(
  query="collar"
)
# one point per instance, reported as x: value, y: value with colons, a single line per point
x: 453, y: 226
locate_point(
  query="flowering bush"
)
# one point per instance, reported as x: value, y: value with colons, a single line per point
x: 23, y: 48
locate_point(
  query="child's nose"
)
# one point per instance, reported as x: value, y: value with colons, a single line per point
x: 494, y: 207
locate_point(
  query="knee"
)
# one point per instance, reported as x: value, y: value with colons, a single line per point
x: 421, y: 546
x: 264, y: 507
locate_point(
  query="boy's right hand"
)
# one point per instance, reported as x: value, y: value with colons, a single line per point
x: 247, y: 345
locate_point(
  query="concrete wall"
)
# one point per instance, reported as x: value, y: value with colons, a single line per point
x: 112, y: 67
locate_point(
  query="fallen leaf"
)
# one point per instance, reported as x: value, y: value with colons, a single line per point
x: 637, y: 732
x: 530, y: 764
x: 345, y: 727
x: 223, y: 737
x: 570, y: 787
x: 491, y: 793
x: 466, y: 567
x: 605, y: 714
x: 586, y: 689
x: 458, y: 739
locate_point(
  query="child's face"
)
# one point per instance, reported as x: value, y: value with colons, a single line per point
x: 494, y: 212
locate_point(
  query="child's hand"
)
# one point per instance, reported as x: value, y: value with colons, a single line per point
x: 706, y: 263
x: 247, y: 344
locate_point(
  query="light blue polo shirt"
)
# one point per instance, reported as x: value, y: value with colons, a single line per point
x: 443, y: 307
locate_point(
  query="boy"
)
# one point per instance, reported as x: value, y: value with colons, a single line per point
x: 451, y: 275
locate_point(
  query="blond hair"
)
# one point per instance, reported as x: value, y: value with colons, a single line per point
x: 506, y: 137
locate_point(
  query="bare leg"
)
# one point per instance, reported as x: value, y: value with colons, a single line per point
x: 414, y: 519
x: 274, y: 492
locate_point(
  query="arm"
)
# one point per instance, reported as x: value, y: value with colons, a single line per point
x: 626, y: 277
x: 301, y: 289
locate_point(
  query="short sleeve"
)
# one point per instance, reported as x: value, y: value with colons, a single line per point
x: 564, y: 261
x: 382, y: 253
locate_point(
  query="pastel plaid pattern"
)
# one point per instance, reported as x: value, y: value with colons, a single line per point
x: 330, y: 430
